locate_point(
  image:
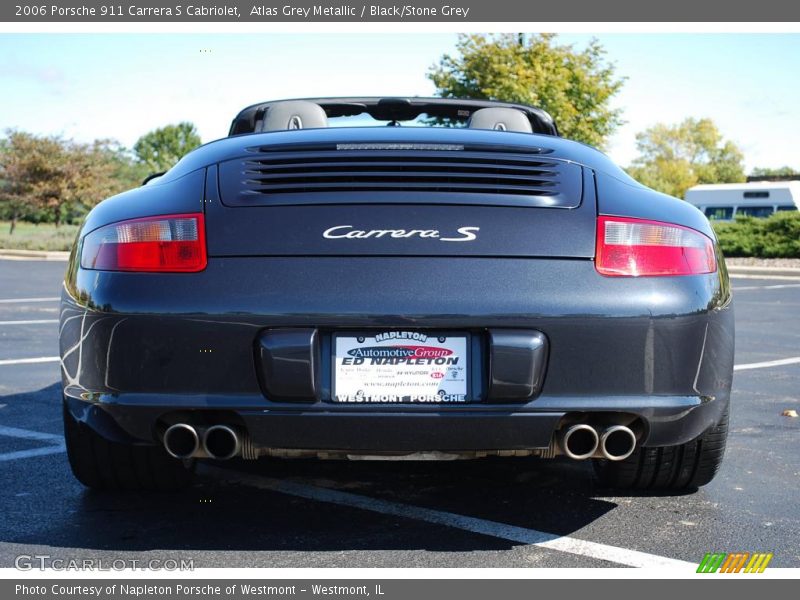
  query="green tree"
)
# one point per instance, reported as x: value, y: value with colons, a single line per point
x: 125, y: 168
x: 575, y: 86
x: 673, y: 158
x: 786, y: 171
x: 161, y: 148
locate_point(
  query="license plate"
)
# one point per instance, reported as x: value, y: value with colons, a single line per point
x: 400, y: 366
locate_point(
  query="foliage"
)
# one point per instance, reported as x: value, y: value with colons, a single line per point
x: 777, y: 236
x: 47, y: 178
x: 785, y: 171
x: 575, y: 86
x: 50, y: 179
x: 13, y: 205
x: 673, y: 158
x: 161, y: 148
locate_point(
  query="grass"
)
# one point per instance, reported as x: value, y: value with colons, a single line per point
x: 43, y: 236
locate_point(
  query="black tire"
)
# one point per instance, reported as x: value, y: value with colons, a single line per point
x: 671, y: 468
x: 105, y: 465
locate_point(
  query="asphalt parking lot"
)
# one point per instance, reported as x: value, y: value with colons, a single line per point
x: 490, y: 513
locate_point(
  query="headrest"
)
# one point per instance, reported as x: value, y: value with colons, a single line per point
x: 294, y: 114
x: 501, y: 119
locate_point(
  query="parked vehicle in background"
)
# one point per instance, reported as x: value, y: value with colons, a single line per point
x: 724, y: 201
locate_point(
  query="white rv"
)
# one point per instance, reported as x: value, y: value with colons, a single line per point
x: 723, y: 201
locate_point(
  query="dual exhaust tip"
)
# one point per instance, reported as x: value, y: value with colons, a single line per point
x: 218, y: 441
x: 582, y: 441
x: 578, y: 442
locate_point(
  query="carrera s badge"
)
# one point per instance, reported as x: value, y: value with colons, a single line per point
x: 348, y: 232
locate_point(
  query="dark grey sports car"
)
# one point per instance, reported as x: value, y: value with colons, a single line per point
x: 450, y: 280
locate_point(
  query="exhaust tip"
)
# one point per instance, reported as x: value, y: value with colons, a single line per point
x: 617, y: 442
x: 579, y: 442
x: 181, y: 441
x: 221, y: 442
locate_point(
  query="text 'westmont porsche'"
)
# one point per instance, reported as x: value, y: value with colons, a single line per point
x: 398, y: 289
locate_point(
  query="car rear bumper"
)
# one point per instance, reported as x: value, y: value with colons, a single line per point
x: 140, y: 351
x: 666, y: 420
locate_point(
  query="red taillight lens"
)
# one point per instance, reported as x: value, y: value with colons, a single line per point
x: 169, y: 243
x: 639, y: 248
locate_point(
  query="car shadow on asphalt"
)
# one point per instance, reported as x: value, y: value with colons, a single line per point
x: 228, y: 509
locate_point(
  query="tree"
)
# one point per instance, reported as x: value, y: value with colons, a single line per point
x: 125, y: 169
x: 28, y: 169
x: 57, y: 179
x: 779, y: 173
x: 161, y: 148
x: 12, y: 199
x: 673, y: 158
x: 108, y: 169
x: 575, y: 87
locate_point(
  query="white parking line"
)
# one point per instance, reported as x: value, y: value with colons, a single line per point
x: 28, y: 361
x: 768, y: 363
x: 8, y: 456
x: 776, y: 277
x: 533, y: 537
x: 30, y: 322
x: 27, y: 434
x: 766, y: 287
x: 21, y: 300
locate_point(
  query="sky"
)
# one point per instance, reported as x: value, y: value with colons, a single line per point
x: 88, y: 86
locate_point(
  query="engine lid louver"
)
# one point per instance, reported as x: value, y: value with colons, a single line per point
x: 407, y: 173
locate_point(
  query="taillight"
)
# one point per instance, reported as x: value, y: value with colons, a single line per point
x: 168, y: 243
x: 639, y: 248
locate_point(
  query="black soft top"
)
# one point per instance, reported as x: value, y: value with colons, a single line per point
x: 398, y: 109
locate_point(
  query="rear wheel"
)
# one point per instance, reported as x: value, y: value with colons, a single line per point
x: 105, y: 465
x: 683, y: 467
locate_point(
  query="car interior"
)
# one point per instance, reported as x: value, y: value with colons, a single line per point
x: 395, y: 112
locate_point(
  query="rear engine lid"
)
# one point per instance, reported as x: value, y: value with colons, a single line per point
x: 399, y: 172
x: 375, y: 198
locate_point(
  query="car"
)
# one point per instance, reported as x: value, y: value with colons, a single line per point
x: 416, y: 278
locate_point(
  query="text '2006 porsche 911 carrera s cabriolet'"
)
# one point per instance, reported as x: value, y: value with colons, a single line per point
x: 395, y: 278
